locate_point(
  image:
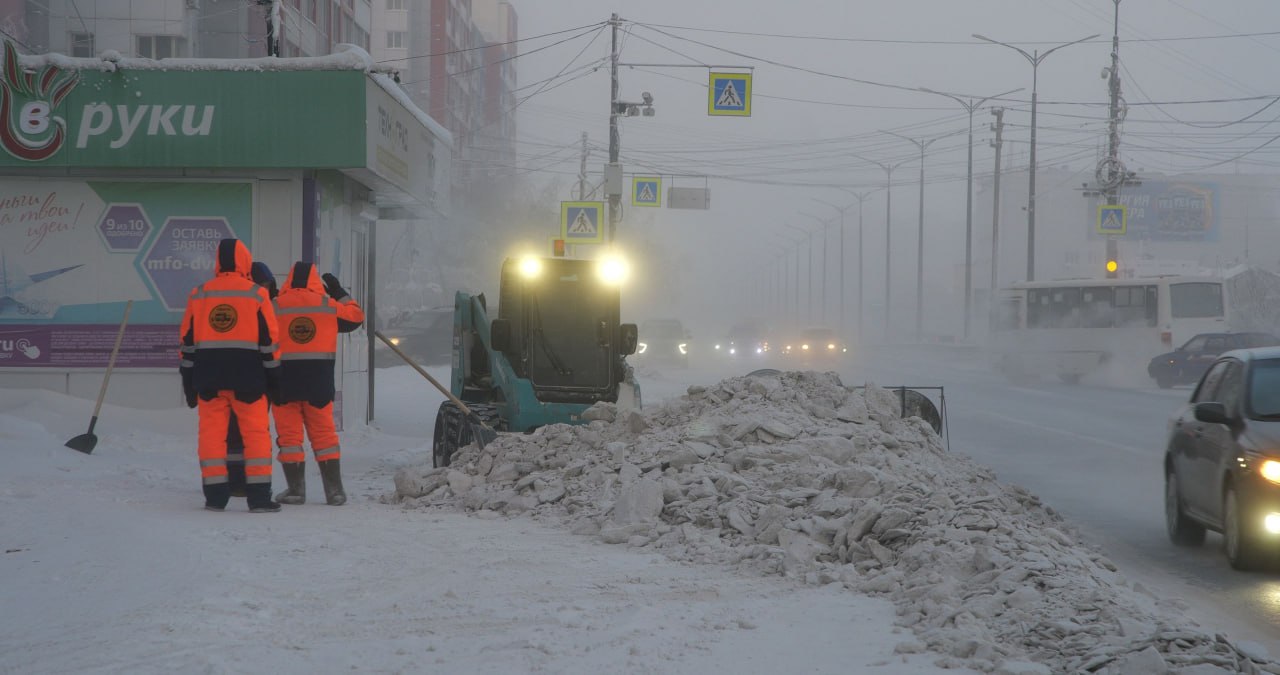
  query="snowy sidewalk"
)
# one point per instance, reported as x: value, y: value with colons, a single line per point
x: 110, y: 565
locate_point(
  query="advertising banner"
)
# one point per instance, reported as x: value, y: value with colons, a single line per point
x: 73, y: 252
x: 1165, y: 211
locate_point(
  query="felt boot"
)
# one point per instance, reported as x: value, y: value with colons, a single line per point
x: 331, y: 474
x: 259, y: 496
x: 216, y: 496
x: 295, y: 474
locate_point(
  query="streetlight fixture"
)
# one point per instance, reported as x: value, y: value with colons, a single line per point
x: 923, y: 144
x: 969, y: 105
x: 1034, y: 58
x: 888, y: 170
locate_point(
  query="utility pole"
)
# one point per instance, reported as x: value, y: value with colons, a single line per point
x: 615, y: 193
x: 923, y: 144
x: 1114, y: 170
x: 582, y: 169
x: 998, y: 144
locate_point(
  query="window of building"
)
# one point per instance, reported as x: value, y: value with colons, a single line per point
x: 159, y: 46
x: 395, y: 4
x: 397, y: 39
x: 82, y: 44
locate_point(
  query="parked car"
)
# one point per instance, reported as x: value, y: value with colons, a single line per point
x: 1187, y: 363
x: 425, y: 335
x: 663, y: 341
x: 1222, y: 462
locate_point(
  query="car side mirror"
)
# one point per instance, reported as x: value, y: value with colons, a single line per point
x: 1212, y: 413
x: 500, y: 335
x: 629, y: 334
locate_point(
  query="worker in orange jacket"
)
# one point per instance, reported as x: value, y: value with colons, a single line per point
x: 312, y: 312
x: 230, y: 364
x: 261, y: 275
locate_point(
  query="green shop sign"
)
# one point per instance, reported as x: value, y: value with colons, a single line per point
x: 54, y: 116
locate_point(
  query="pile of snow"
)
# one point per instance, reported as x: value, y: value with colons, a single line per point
x: 796, y: 474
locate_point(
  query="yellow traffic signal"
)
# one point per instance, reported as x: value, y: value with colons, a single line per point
x: 1112, y: 268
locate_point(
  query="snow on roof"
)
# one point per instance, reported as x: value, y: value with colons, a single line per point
x: 347, y: 57
x: 391, y: 87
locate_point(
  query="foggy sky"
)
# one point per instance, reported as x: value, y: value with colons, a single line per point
x: 716, y: 252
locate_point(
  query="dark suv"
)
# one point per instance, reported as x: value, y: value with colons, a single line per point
x: 1187, y: 363
x: 1222, y: 462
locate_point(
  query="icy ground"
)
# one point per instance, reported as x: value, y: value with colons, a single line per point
x: 796, y: 475
x: 108, y: 564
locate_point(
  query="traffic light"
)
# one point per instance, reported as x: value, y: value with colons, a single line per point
x: 1113, y: 268
x: 557, y: 248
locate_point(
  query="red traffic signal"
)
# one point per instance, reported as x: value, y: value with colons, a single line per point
x: 557, y: 248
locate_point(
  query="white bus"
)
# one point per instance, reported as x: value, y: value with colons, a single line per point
x: 1071, y: 328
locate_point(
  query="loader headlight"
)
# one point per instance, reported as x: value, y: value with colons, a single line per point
x: 530, y: 267
x: 641, y: 347
x: 684, y: 349
x: 1270, y: 470
x: 613, y: 270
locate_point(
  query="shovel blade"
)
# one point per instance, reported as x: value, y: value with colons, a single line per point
x: 482, y: 435
x: 83, y: 443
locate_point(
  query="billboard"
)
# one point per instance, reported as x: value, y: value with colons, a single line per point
x: 1161, y: 210
x: 72, y: 253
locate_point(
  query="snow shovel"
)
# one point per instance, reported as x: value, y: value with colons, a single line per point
x: 481, y: 432
x: 86, y: 441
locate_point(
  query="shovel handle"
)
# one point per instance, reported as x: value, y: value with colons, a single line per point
x: 111, y: 364
x: 456, y: 401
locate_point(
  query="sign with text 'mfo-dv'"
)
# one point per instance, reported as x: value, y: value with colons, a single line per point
x: 582, y: 222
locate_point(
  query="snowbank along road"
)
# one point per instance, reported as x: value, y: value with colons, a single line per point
x: 798, y: 475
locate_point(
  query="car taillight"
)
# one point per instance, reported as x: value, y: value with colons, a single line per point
x: 1166, y: 338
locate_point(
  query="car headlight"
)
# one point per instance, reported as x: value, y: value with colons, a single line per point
x: 831, y: 345
x: 1270, y: 470
x: 684, y: 348
x: 804, y: 347
x: 395, y: 341
x: 717, y: 347
x: 732, y: 350
x: 641, y: 347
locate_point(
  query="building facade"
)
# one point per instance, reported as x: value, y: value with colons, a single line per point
x: 159, y: 29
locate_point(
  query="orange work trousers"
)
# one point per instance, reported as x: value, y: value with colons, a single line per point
x: 295, y: 416
x: 255, y: 430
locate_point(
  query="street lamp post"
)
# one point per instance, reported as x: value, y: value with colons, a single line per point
x: 1034, y: 58
x: 809, y: 301
x: 822, y: 308
x: 844, y: 326
x: 923, y: 144
x: 969, y: 105
x: 888, y: 170
x: 861, y: 197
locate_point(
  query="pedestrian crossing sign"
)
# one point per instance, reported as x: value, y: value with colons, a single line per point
x: 582, y: 222
x: 646, y: 191
x: 729, y: 94
x: 1112, y: 219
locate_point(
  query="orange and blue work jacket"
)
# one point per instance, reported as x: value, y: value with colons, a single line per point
x: 229, y: 331
x: 310, y: 322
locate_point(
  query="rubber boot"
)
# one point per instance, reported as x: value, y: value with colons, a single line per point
x: 331, y: 474
x: 296, y: 475
x: 216, y: 496
x: 259, y: 496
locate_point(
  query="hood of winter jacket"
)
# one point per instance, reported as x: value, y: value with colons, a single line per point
x: 234, y: 258
x: 304, y: 275
x: 262, y: 276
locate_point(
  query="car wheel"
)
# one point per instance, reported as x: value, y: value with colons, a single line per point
x: 1240, y: 541
x: 1182, y: 530
x: 1164, y: 382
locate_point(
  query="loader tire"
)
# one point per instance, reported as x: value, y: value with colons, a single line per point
x: 453, y: 431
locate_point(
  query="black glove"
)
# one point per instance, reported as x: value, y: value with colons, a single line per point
x: 333, y: 287
x: 188, y: 390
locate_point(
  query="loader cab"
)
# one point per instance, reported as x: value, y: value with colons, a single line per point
x: 559, y: 326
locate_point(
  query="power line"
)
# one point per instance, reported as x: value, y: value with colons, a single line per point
x: 507, y: 58
x: 494, y: 44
